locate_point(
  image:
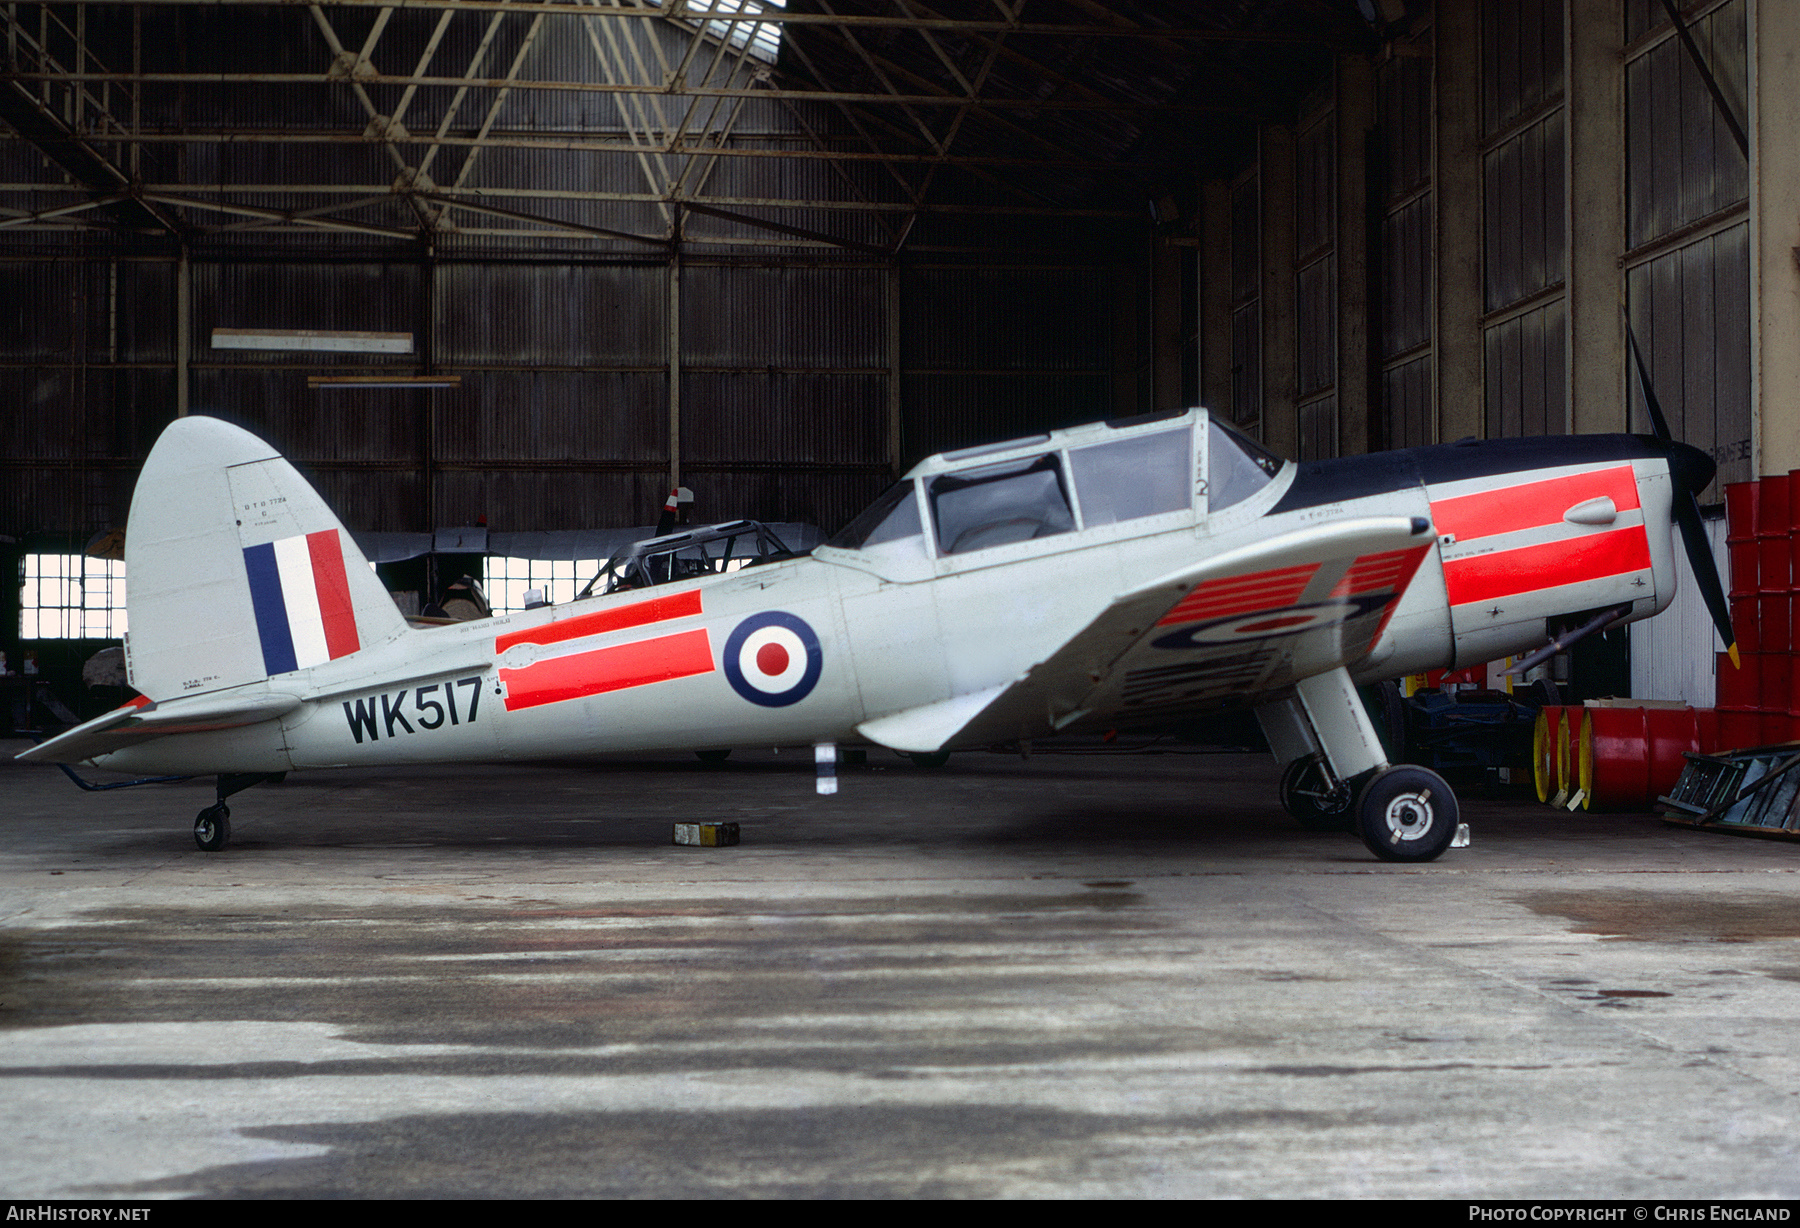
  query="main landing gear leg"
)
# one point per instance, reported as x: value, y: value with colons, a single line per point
x: 212, y: 826
x: 1337, y: 776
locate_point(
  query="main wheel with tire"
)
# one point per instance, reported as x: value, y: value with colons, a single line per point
x: 1313, y: 808
x: 929, y: 759
x: 212, y: 827
x: 1407, y: 813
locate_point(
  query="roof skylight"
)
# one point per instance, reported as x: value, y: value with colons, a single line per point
x: 726, y: 20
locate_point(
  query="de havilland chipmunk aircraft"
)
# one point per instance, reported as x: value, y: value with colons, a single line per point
x: 1114, y: 575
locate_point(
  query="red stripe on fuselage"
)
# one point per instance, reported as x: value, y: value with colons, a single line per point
x: 1506, y: 573
x: 1532, y: 504
x: 608, y: 669
x: 638, y: 614
x: 333, y: 587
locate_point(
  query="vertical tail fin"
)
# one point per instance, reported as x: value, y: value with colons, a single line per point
x: 236, y: 569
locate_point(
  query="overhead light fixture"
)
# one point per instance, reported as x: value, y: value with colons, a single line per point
x: 315, y: 339
x: 384, y: 381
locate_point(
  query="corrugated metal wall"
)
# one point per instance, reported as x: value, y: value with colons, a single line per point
x: 87, y: 378
x: 1688, y: 230
x: 1526, y: 364
x: 1405, y: 276
x: 805, y: 375
x: 562, y: 418
x: 1315, y: 276
x: 1525, y: 335
x: 1246, y: 300
x: 987, y: 353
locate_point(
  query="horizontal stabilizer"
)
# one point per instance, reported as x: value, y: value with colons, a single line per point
x: 142, y: 721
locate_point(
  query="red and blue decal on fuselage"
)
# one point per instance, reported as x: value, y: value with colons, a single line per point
x: 771, y: 659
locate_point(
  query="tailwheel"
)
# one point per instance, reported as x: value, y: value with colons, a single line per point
x: 1407, y: 813
x: 1314, y: 807
x: 212, y: 827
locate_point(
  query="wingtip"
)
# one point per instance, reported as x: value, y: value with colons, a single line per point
x: 1732, y: 652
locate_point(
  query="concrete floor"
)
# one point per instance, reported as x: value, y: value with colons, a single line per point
x: 1076, y: 976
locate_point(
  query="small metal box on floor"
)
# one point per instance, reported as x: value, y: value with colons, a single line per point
x: 706, y: 835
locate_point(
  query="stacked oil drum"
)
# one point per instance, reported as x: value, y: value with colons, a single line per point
x: 1756, y: 703
x: 1622, y: 756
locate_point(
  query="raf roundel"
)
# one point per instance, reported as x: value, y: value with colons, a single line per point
x: 773, y: 659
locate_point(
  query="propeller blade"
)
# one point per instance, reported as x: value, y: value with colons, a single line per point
x: 1691, y: 472
x: 1658, y: 423
x: 1706, y: 572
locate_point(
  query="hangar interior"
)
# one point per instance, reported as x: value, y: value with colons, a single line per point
x: 778, y: 252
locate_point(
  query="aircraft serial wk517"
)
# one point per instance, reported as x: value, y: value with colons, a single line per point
x: 1107, y: 576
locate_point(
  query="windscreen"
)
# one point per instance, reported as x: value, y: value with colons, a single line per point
x: 1236, y: 467
x: 893, y: 516
x: 1126, y: 479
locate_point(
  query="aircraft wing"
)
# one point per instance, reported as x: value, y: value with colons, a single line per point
x: 142, y: 720
x: 1243, y: 624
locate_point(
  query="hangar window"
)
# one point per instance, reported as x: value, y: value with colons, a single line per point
x: 996, y: 505
x: 726, y: 22
x: 508, y: 578
x: 1141, y: 475
x: 71, y: 597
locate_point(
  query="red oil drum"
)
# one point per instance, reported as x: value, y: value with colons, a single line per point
x: 1772, y: 564
x: 1738, y: 728
x: 1774, y: 623
x: 1741, y: 506
x: 1746, y: 610
x: 1615, y: 758
x: 1741, y: 500
x: 1745, y: 572
x: 1772, y: 505
x: 1777, y: 673
x: 1773, y: 552
x: 1632, y: 756
x: 1793, y: 523
x: 1674, y: 732
x: 1736, y: 687
x: 1543, y: 750
x: 1707, y: 722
